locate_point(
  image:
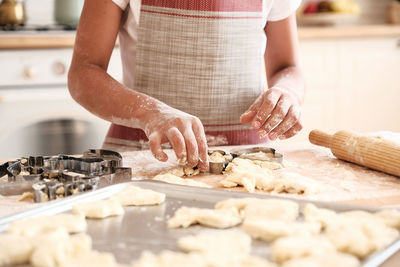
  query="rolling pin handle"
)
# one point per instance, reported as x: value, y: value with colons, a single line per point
x: 320, y: 138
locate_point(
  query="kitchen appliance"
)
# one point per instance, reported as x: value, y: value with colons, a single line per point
x: 67, y: 12
x: 369, y: 151
x: 37, y: 114
x: 12, y: 12
x: 60, y: 176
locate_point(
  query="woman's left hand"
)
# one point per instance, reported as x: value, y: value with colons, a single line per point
x: 275, y: 113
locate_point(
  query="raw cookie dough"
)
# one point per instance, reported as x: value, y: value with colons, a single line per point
x: 36, y: 225
x: 91, y: 259
x: 288, y: 248
x: 390, y: 217
x: 253, y: 208
x: 269, y: 230
x: 217, y: 157
x: 136, y: 196
x: 185, y: 216
x: 169, y: 259
x: 99, y: 209
x: 227, y: 244
x: 14, y: 250
x: 268, y: 164
x: 294, y: 183
x: 329, y: 260
x: 182, y: 171
x: 26, y: 196
x: 247, y: 174
x: 173, y: 179
x: 314, y: 214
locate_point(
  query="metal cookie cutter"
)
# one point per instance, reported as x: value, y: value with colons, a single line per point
x: 61, y: 176
x: 261, y: 154
x: 218, y: 165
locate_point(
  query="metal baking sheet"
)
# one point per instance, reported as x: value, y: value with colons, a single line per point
x: 144, y: 228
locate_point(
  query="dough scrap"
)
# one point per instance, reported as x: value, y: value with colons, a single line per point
x: 257, y: 175
x: 36, y: 225
x: 173, y: 179
x: 329, y: 260
x: 136, y: 196
x: 220, y: 246
x: 247, y: 174
x: 287, y: 248
x: 99, y: 209
x: 182, y: 171
x: 294, y: 183
x: 26, y: 196
x: 14, y: 250
x: 268, y: 164
x: 269, y: 230
x: 185, y: 216
x: 253, y: 208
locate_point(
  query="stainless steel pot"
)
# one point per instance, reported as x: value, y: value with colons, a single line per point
x: 67, y: 12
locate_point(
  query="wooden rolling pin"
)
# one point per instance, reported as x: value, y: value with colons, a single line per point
x: 369, y: 151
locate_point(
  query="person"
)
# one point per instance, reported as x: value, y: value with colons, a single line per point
x: 193, y: 73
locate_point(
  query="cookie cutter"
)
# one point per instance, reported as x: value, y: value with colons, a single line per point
x: 260, y: 153
x: 219, y: 167
x: 61, y: 176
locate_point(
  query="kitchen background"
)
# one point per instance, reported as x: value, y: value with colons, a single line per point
x: 352, y: 68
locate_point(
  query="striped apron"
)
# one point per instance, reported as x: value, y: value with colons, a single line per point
x: 204, y: 57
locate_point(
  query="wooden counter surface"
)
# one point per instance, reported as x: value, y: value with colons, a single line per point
x: 340, y: 181
x: 53, y: 40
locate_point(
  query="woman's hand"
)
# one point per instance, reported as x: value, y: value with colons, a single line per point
x: 275, y: 113
x: 183, y: 131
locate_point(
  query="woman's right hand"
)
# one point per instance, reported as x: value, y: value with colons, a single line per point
x: 183, y: 131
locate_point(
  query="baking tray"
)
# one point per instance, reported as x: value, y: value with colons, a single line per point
x: 144, y: 228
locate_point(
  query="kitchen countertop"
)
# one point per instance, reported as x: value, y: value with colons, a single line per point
x: 345, y: 182
x: 36, y: 40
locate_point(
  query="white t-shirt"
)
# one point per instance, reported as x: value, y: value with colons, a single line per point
x: 273, y: 10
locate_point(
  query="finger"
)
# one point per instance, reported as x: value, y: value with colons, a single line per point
x: 200, y: 135
x: 192, y: 150
x: 292, y: 131
x: 277, y: 115
x: 178, y: 144
x: 155, y: 146
x: 248, y: 116
x: 270, y: 101
x: 288, y: 122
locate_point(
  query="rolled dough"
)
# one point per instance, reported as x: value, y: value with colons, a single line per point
x: 136, y: 196
x: 173, y: 179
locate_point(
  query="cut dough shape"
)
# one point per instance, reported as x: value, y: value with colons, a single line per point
x: 91, y: 259
x: 185, y: 216
x: 355, y: 232
x: 56, y: 248
x: 228, y: 244
x: 173, y: 179
x: 99, y: 209
x: 268, y: 164
x: 253, y: 208
x: 169, y: 259
x: 390, y: 217
x: 247, y: 174
x: 288, y: 248
x: 36, y: 225
x: 360, y: 237
x: 14, y: 250
x: 269, y: 230
x: 136, y: 196
x: 330, y: 260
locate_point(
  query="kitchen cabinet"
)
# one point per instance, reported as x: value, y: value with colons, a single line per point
x: 352, y: 83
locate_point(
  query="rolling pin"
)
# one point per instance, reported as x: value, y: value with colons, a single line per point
x: 368, y: 151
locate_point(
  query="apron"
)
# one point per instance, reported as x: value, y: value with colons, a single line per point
x: 204, y: 57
